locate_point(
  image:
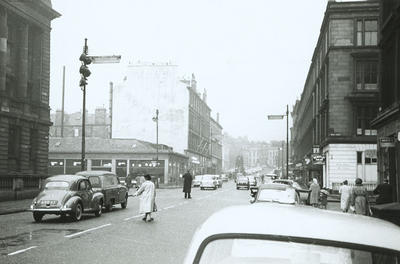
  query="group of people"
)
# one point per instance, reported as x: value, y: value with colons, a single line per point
x: 355, y: 199
x: 147, y: 192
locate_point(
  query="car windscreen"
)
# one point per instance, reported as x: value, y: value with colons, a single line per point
x: 57, y: 185
x: 109, y: 180
x: 95, y: 181
x: 243, y: 250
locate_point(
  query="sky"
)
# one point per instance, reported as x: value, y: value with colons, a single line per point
x: 252, y: 56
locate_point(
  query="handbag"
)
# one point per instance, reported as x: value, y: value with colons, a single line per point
x: 154, y: 207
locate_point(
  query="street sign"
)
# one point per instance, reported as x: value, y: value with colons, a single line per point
x: 275, y: 117
x: 387, y: 142
x: 105, y: 59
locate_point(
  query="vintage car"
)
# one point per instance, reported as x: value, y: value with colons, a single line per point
x: 242, y: 182
x: 275, y: 192
x: 107, y: 183
x: 301, y: 189
x: 197, y: 180
x: 208, y: 181
x: 66, y: 195
x: 275, y: 233
x: 219, y: 180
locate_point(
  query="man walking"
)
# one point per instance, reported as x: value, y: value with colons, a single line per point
x: 384, y: 190
x: 187, y: 184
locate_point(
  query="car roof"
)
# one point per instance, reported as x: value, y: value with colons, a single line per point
x: 65, y: 177
x: 94, y: 173
x: 298, y: 221
x: 274, y: 186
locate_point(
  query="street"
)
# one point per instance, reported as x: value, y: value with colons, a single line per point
x: 119, y: 236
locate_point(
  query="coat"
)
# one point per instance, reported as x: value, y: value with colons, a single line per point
x: 359, y: 199
x: 345, y: 193
x: 314, y: 194
x: 147, y: 199
x: 385, y: 193
x: 187, y: 182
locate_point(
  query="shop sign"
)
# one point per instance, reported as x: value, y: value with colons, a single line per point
x: 387, y: 142
x: 318, y: 159
x: 315, y: 149
x: 195, y: 160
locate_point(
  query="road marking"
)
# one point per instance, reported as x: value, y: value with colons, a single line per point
x: 169, y: 207
x: 132, y: 217
x: 88, y: 230
x: 21, y: 251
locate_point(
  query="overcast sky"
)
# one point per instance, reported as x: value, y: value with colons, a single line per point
x: 252, y: 56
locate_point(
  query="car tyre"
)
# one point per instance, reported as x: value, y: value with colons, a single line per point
x: 37, y: 216
x: 77, y: 213
x: 237, y: 188
x: 125, y: 203
x: 99, y: 209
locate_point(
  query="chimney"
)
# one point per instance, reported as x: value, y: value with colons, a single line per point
x: 205, y: 96
x: 193, y: 82
x: 218, y: 118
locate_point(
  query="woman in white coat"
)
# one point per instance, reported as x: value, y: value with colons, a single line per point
x: 345, y: 192
x: 147, y: 199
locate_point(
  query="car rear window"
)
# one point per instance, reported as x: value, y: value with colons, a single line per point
x: 57, y: 185
x: 95, y: 181
x: 281, y: 252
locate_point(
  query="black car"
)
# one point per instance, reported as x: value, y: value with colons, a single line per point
x: 108, y: 183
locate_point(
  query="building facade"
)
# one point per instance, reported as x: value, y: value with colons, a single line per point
x: 216, y: 146
x: 387, y: 121
x: 97, y: 124
x: 332, y: 137
x: 120, y: 156
x: 24, y: 95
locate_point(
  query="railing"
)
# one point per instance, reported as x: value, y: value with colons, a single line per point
x: 369, y: 185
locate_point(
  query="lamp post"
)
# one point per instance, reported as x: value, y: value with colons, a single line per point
x: 155, y: 119
x: 279, y: 117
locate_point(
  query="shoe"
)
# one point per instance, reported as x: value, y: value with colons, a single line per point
x: 151, y: 219
x: 190, y: 197
x: 144, y: 219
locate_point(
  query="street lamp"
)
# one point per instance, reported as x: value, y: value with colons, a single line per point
x: 155, y: 119
x: 279, y: 117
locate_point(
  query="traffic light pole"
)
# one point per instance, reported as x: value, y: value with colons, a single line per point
x: 85, y: 51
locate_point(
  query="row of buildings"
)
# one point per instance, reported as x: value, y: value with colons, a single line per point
x: 345, y: 124
x: 151, y: 104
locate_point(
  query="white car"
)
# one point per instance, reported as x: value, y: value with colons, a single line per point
x: 275, y: 233
x: 208, y: 181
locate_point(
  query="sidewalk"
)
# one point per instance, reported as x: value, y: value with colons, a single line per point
x: 11, y: 207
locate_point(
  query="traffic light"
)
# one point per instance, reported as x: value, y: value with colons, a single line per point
x: 84, y: 69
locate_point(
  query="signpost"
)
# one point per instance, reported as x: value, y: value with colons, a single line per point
x: 105, y: 59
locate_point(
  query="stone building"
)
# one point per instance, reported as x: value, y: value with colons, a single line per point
x: 216, y: 146
x: 332, y: 137
x: 24, y: 95
x: 388, y: 119
x: 97, y: 124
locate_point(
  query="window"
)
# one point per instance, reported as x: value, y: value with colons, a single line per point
x: 359, y: 157
x: 14, y: 142
x: 34, y: 140
x: 367, y: 33
x: 364, y: 115
x: 366, y: 75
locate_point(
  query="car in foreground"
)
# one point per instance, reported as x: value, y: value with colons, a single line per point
x: 242, y: 182
x: 64, y: 195
x: 275, y: 192
x: 301, y: 189
x: 293, y: 234
x: 108, y: 184
x: 208, y: 181
x: 197, y: 180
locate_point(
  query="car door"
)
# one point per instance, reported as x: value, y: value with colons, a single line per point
x: 121, y: 190
x: 86, y: 193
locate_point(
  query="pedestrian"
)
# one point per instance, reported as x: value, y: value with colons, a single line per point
x: 128, y: 181
x: 314, y: 192
x: 385, y: 192
x: 187, y: 184
x: 345, y: 192
x: 147, y: 191
x: 359, y: 198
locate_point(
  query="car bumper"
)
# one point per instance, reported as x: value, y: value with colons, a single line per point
x: 208, y: 186
x: 50, y: 210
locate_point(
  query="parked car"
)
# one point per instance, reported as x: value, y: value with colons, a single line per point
x: 197, y: 180
x: 301, y: 189
x: 107, y: 183
x: 224, y: 178
x: 270, y: 233
x: 252, y: 181
x: 67, y: 195
x: 275, y: 192
x: 208, y: 181
x: 132, y: 184
x: 242, y: 182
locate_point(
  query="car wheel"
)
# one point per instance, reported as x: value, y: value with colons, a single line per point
x: 237, y: 188
x: 99, y: 209
x: 37, y: 216
x: 77, y: 213
x: 125, y: 203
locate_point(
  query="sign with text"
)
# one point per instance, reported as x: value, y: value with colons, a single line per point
x: 387, y: 142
